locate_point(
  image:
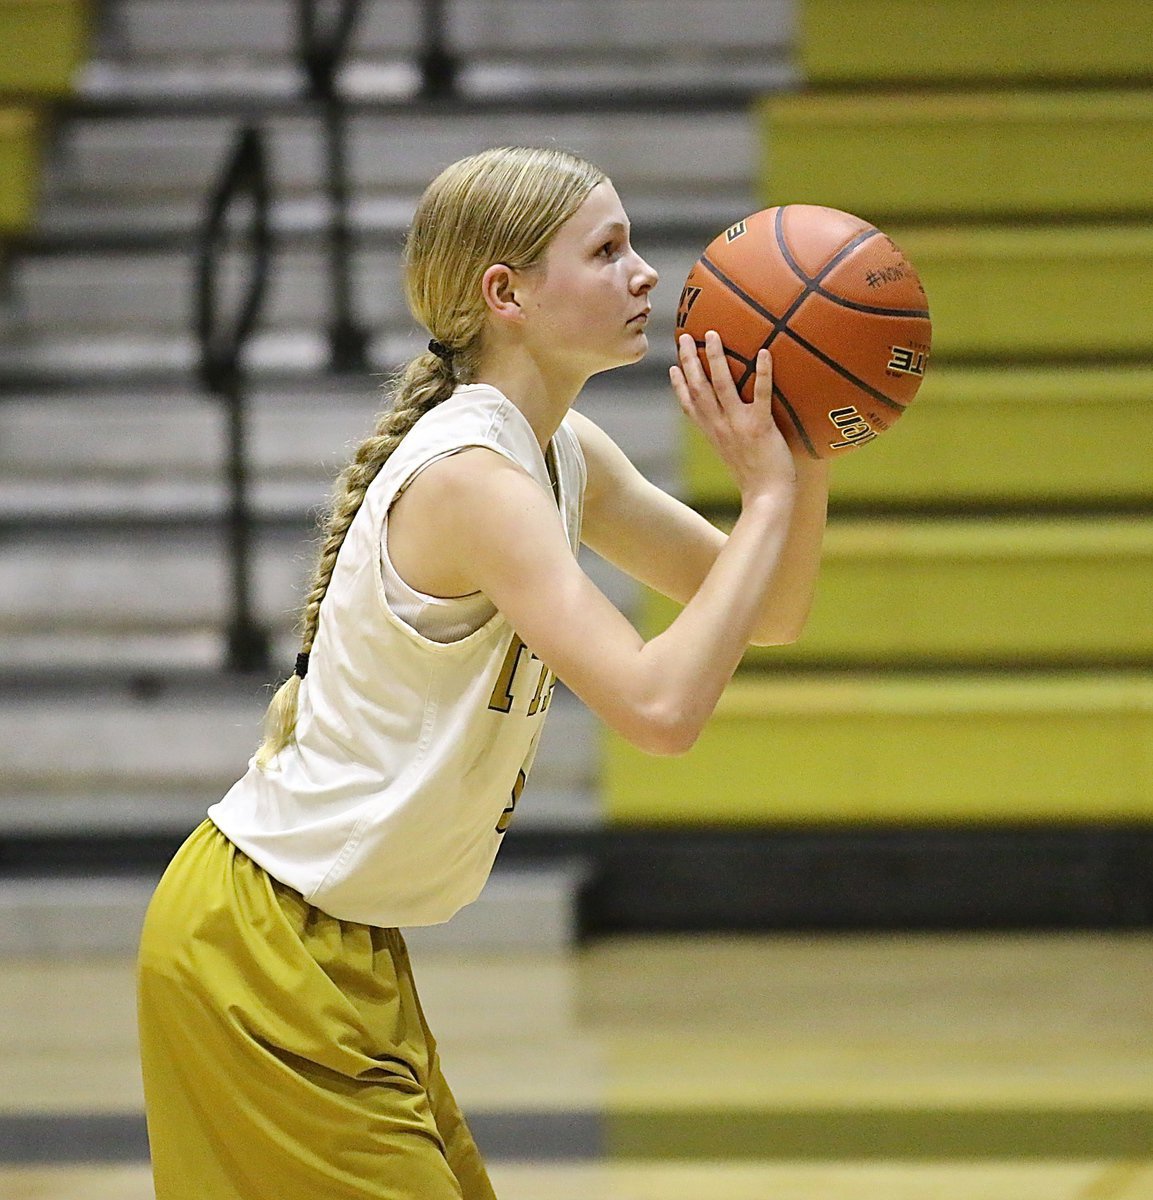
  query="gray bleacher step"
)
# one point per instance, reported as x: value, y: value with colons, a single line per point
x: 195, y: 740
x: 159, y: 452
x: 400, y: 78
x: 520, y: 909
x: 55, y: 357
x: 163, y: 221
x: 161, y: 602
x: 396, y: 154
x: 108, y: 291
x: 131, y: 582
x: 133, y: 810
x: 264, y: 30
x: 144, y: 652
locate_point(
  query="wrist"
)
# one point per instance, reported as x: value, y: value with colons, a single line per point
x: 811, y: 468
x: 770, y: 496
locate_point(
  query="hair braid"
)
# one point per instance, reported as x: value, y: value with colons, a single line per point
x: 419, y: 388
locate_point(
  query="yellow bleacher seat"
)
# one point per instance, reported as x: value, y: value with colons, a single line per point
x: 880, y: 748
x: 43, y: 43
x: 960, y: 153
x: 971, y: 592
x: 1036, y: 293
x: 19, y: 167
x: 870, y: 41
x: 990, y: 434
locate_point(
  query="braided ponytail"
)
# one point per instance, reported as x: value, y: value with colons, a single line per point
x: 421, y: 386
x: 500, y: 206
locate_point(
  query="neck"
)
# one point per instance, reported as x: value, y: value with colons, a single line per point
x: 544, y: 399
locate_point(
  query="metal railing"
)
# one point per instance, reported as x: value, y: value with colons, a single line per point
x: 224, y: 327
x: 223, y: 332
x: 323, y: 45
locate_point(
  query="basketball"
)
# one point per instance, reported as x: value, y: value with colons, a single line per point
x: 836, y: 302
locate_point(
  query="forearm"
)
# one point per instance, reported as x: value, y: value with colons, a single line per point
x: 789, y: 597
x: 685, y: 669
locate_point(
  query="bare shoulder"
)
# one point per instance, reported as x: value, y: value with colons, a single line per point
x: 437, y: 515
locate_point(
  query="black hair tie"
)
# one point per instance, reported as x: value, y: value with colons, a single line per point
x: 440, y: 350
x: 301, y: 664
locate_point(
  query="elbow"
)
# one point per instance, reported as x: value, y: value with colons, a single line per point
x: 783, y: 630
x: 778, y: 637
x: 667, y: 733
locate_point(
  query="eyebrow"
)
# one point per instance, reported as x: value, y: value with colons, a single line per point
x: 611, y: 227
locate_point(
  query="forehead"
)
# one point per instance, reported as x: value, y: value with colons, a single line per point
x: 600, y: 212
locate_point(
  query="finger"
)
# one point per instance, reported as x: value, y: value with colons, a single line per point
x: 681, y: 389
x: 763, y: 383
x: 720, y: 373
x: 691, y: 366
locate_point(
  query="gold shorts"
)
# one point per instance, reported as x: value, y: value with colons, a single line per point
x: 284, y: 1052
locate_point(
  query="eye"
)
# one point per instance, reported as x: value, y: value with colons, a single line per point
x: 608, y: 249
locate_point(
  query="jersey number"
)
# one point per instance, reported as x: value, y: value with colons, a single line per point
x: 502, y: 694
x: 502, y: 701
x: 506, y: 816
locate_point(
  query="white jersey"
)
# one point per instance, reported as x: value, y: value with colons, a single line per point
x: 410, y: 754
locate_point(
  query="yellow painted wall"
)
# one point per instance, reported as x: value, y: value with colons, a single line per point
x: 907, y: 748
x: 867, y: 42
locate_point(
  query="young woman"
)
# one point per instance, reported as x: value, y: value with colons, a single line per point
x: 283, y: 1047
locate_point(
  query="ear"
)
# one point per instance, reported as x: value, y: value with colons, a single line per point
x: 498, y: 286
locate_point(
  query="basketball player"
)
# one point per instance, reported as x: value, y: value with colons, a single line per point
x: 284, y: 1051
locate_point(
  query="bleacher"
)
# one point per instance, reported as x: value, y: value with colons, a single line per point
x: 961, y: 737
x: 122, y: 720
x: 977, y: 671
x: 43, y: 41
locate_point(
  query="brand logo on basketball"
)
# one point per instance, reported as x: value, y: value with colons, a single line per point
x: 734, y: 231
x: 906, y: 361
x: 852, y: 427
x: 685, y: 304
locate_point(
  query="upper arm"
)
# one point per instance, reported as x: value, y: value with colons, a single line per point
x: 637, y: 526
x: 499, y: 532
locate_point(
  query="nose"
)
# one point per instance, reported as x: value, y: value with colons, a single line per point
x: 644, y: 276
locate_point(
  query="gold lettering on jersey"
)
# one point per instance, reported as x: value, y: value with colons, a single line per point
x: 506, y: 688
x: 543, y: 694
x: 506, y: 816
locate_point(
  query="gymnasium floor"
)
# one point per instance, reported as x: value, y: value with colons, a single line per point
x: 862, y: 1068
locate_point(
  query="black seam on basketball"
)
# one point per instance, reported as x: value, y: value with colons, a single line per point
x: 804, y: 433
x: 750, y: 364
x: 739, y: 292
x: 747, y: 363
x: 812, y: 281
x: 871, y: 309
x: 845, y: 373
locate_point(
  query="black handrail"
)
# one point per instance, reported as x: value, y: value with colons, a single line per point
x: 223, y: 337
x: 439, y: 67
x: 323, y: 44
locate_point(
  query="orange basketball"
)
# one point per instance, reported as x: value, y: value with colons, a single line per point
x: 840, y: 307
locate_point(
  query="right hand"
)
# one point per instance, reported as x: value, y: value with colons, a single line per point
x: 744, y: 435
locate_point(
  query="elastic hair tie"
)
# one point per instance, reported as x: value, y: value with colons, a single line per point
x: 440, y: 350
x: 301, y: 664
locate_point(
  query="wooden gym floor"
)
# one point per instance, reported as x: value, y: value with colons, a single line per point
x: 792, y: 1068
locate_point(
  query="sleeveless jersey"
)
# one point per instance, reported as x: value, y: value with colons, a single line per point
x: 410, y: 754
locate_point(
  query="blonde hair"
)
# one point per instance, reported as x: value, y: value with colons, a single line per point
x: 500, y: 206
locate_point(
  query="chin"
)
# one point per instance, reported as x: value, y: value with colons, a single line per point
x: 639, y: 349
